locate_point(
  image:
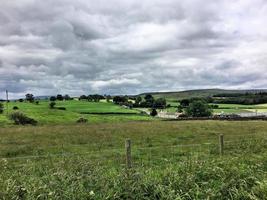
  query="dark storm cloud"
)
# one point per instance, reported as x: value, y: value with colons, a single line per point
x: 76, y: 47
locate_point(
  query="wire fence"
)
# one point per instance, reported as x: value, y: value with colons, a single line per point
x: 145, y: 156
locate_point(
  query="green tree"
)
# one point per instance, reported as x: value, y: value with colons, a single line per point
x: 53, y: 98
x: 29, y: 97
x: 198, y: 108
x: 160, y: 103
x: 180, y: 109
x: 60, y: 97
x: 52, y: 104
x: 154, y: 112
x: 184, y: 103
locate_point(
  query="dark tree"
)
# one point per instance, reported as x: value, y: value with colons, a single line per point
x: 67, y: 97
x: 184, y: 103
x: 1, y: 108
x: 154, y: 112
x: 138, y: 100
x: 60, y: 97
x: 108, y: 97
x: 149, y: 98
x: 21, y: 100
x: 160, y: 103
x: 180, y: 109
x: 120, y: 99
x: 83, y: 97
x: 29, y: 97
x: 52, y: 105
x: 53, y: 98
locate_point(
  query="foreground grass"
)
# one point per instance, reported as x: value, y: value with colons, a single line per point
x: 87, y: 162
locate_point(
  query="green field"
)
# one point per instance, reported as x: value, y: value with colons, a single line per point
x: 74, y: 110
x: 227, y: 108
x: 60, y: 159
x: 171, y: 160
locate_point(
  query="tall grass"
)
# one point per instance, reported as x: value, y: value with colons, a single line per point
x: 87, y: 161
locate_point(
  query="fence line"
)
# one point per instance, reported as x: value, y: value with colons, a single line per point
x: 97, y: 147
x: 121, y: 150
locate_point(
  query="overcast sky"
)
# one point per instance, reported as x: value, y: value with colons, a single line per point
x: 131, y: 46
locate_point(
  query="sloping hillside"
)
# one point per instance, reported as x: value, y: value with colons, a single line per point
x: 172, y: 96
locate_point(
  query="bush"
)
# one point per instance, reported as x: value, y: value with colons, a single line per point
x: 15, y: 108
x: 61, y: 108
x: 82, y: 120
x: 154, y: 112
x: 37, y: 102
x: 1, y: 108
x: 52, y: 104
x: 20, y: 118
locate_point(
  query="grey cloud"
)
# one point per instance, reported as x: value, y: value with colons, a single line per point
x: 131, y: 46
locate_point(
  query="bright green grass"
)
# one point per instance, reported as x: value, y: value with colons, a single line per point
x: 44, y: 115
x: 161, y: 168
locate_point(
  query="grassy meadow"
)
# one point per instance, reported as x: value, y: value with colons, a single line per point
x: 226, y: 108
x: 60, y: 159
x: 171, y: 160
x: 95, y: 112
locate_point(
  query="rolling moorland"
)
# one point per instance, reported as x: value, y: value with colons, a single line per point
x: 60, y: 159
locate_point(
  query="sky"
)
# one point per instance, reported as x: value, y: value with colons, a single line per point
x: 131, y: 46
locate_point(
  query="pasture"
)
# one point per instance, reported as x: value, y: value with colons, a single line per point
x: 171, y: 160
x: 95, y: 112
x: 227, y: 108
x: 60, y: 159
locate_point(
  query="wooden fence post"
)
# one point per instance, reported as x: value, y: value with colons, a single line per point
x: 221, y: 143
x: 128, y: 153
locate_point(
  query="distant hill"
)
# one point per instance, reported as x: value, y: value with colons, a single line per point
x: 174, y: 96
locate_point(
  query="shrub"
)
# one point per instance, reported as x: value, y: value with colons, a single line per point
x: 21, y: 118
x: 53, y: 98
x: 82, y: 120
x: 61, y: 108
x: 1, y: 108
x: 52, y: 104
x: 154, y: 112
x: 37, y: 102
x: 15, y: 108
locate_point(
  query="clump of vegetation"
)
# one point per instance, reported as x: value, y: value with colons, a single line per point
x: 15, y: 108
x: 61, y: 108
x: 198, y: 108
x: 20, y: 118
x: 1, y: 108
x: 82, y: 120
x: 52, y: 105
x: 30, y: 98
x: 154, y: 112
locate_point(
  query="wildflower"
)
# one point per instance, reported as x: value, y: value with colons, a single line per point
x: 92, y: 193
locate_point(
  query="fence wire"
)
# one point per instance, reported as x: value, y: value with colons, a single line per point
x: 147, y: 156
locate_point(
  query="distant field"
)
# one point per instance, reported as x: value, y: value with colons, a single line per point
x: 174, y: 96
x: 44, y: 115
x: 171, y: 160
x: 238, y: 108
x: 228, y: 108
